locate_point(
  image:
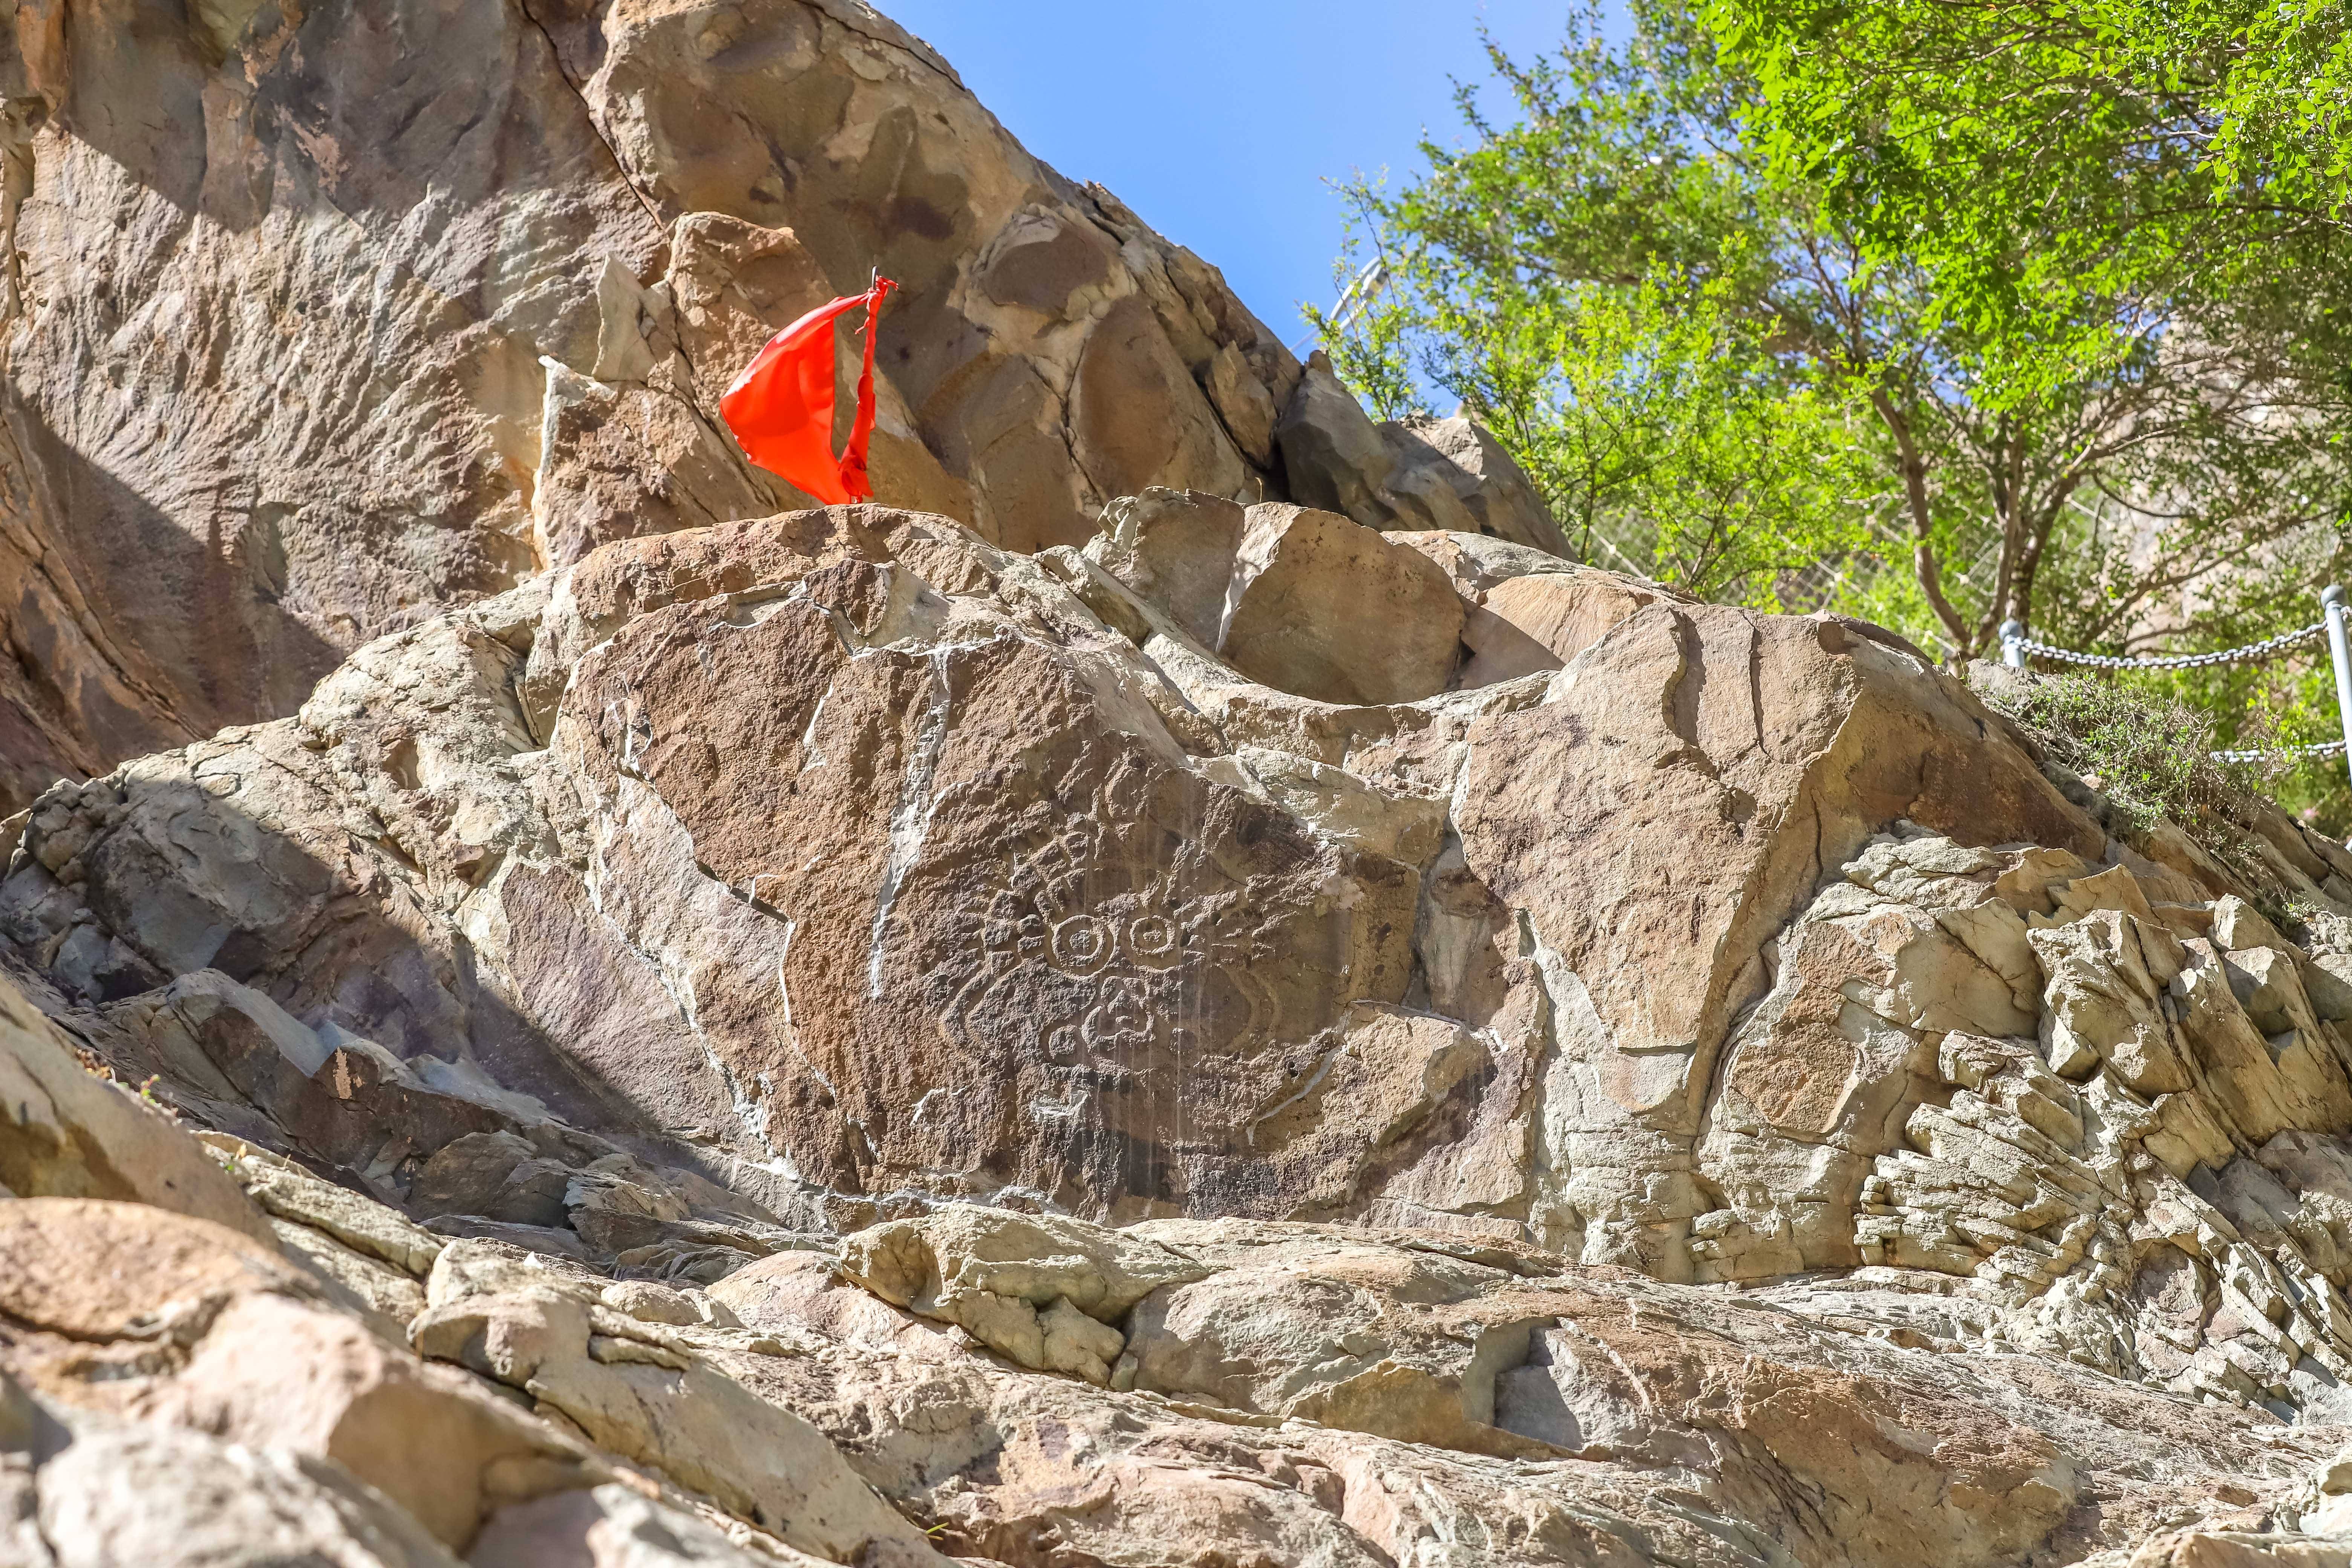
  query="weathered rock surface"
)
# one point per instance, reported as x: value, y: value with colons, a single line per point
x: 1042, y: 1292
x: 1525, y: 611
x: 304, y: 343
x: 1638, y: 1422
x: 128, y: 1311
x: 1175, y: 549
x: 65, y: 1134
x: 1329, y: 609
x: 1444, y: 474
x: 1185, y: 991
x: 611, y: 1527
x: 1772, y: 1115
x: 602, y: 1359
x: 167, y: 1496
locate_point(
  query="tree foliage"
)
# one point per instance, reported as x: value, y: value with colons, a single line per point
x: 1584, y: 280
x: 1947, y: 313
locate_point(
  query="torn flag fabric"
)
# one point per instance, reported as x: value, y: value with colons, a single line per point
x: 780, y: 408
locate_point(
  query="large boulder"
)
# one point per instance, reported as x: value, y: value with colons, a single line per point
x: 1044, y: 1292
x: 732, y: 881
x: 1697, y: 772
x: 65, y: 1133
x: 666, y: 186
x: 1443, y: 474
x: 1371, y: 1339
x: 171, y: 1497
x: 1525, y: 611
x: 1175, y: 549
x: 259, y: 1354
x: 1329, y: 609
x: 1456, y: 462
x: 605, y: 1360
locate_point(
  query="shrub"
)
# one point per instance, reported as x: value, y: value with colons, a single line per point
x: 2148, y: 753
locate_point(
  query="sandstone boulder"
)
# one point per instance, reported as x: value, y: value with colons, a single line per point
x: 1541, y: 621
x: 120, y: 1493
x: 1419, y: 474
x: 1456, y: 462
x: 187, y: 1323
x: 67, y: 1133
x: 611, y: 1527
x: 1176, y: 550
x: 498, y: 1175
x: 668, y: 205
x: 1686, y: 810
x: 1328, y: 609
x: 1044, y: 1291
x: 1524, y: 610
x: 803, y: 1298
x: 1360, y: 1338
x: 646, y: 1395
x: 901, y: 914
x: 1332, y: 451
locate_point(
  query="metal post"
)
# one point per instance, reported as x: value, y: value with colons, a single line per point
x: 2013, y: 632
x: 2332, y: 601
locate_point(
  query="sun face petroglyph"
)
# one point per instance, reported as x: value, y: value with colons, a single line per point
x: 1090, y: 957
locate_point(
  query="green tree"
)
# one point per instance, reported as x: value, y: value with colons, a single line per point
x: 1619, y: 356
x: 1657, y: 422
x: 2098, y: 193
x: 1669, y: 276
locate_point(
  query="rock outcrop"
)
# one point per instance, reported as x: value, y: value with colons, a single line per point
x: 1182, y: 989
x: 852, y: 856
x: 623, y: 990
x: 317, y: 322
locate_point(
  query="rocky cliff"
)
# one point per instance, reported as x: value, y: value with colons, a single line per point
x: 319, y: 319
x: 1182, y: 989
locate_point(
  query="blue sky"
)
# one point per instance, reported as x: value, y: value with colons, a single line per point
x: 1220, y: 121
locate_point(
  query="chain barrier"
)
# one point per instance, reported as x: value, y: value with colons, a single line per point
x: 2016, y: 647
x: 2270, y: 647
x: 2319, y: 748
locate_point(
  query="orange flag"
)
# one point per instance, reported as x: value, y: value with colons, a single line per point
x: 780, y: 408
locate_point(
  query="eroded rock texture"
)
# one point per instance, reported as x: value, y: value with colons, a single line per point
x: 1183, y: 989
x: 318, y: 319
x: 823, y: 1007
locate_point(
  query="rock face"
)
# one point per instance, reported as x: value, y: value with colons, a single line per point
x: 303, y: 344
x: 615, y: 985
x: 70, y: 1134
x: 1181, y: 989
x: 1443, y: 474
x: 1326, y: 608
x: 855, y: 856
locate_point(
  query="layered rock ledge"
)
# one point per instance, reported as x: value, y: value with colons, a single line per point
x: 1119, y: 1055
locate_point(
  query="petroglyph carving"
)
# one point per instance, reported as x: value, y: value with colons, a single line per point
x: 1088, y: 956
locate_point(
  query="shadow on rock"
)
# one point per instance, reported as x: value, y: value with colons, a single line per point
x: 288, y: 1000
